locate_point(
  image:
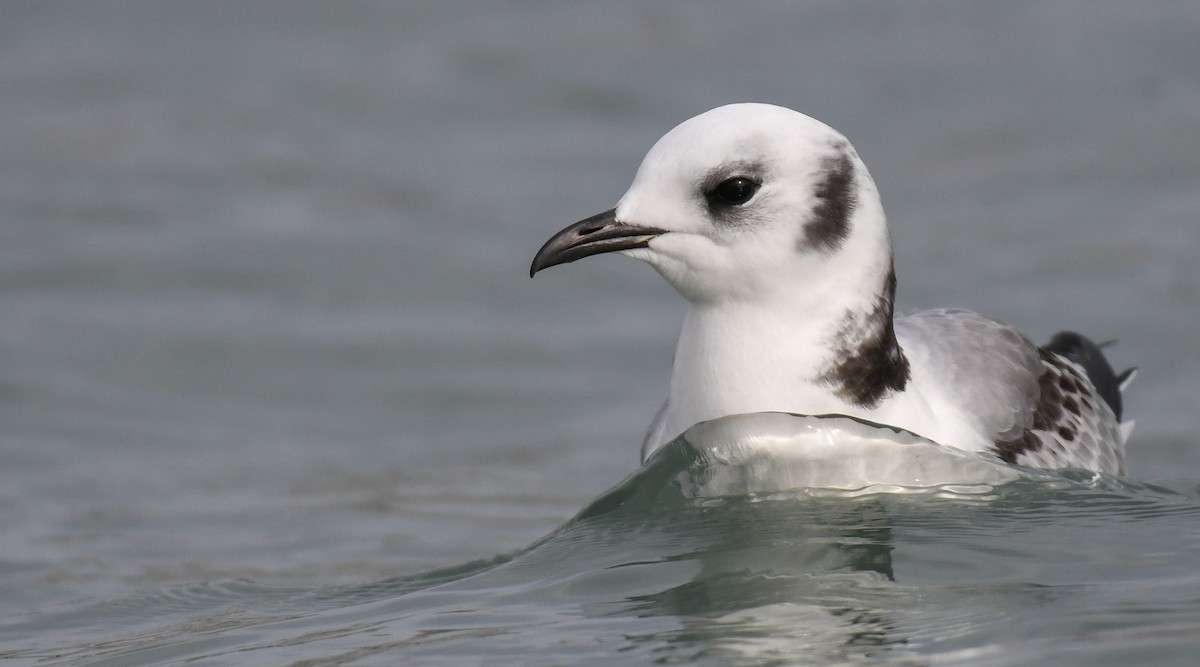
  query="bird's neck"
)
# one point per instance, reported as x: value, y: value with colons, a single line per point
x: 822, y: 349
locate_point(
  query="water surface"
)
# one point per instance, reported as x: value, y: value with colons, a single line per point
x: 668, y: 567
x: 267, y: 335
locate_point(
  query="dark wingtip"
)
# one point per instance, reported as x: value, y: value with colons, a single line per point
x: 1126, y: 375
x: 1083, y: 351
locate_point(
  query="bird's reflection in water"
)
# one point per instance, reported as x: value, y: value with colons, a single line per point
x: 802, y: 578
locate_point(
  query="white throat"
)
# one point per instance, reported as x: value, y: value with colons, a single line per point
x: 772, y: 354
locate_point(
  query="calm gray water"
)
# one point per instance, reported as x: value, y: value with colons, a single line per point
x: 277, y: 389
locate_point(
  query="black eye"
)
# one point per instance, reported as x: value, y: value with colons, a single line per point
x: 733, y: 192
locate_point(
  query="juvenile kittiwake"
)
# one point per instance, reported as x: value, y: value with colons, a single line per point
x: 769, y: 224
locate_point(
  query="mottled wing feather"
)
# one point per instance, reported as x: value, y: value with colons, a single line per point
x: 1072, y: 427
x: 1026, y: 405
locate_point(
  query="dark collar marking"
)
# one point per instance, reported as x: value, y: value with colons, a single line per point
x: 868, y: 364
x: 837, y: 197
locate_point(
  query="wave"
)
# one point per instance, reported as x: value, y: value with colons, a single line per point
x: 749, y: 539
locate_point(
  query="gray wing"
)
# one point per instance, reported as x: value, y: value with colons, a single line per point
x: 985, y: 369
x: 1034, y: 407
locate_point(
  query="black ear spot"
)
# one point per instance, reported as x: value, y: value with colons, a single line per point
x: 837, y: 197
x: 732, y: 192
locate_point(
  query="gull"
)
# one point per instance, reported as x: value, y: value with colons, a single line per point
x: 767, y: 222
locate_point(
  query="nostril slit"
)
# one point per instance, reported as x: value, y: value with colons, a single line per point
x: 590, y: 230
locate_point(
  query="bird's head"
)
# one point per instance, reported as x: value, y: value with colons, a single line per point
x: 743, y: 200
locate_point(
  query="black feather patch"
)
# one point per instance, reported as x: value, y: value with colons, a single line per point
x: 869, y: 364
x: 1056, y: 417
x: 1087, y: 354
x: 837, y: 197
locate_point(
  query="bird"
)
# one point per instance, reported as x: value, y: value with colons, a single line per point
x: 768, y: 223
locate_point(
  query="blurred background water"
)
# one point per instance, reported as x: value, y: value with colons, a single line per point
x: 264, y: 305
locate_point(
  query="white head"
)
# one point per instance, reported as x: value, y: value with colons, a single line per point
x: 742, y: 202
x: 759, y: 215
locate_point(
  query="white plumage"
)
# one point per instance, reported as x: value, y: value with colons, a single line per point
x: 771, y: 227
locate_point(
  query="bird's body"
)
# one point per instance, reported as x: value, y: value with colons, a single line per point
x: 768, y: 223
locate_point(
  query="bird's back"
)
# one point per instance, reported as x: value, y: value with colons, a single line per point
x: 992, y: 389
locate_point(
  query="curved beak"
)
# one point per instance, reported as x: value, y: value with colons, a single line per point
x: 598, y: 234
